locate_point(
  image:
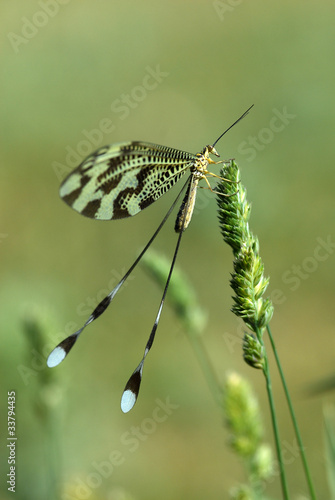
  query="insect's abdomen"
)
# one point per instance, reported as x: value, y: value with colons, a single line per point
x: 186, y: 209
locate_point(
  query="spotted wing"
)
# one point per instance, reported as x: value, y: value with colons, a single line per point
x: 122, y: 179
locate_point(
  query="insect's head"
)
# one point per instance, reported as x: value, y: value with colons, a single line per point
x: 211, y: 150
x: 208, y: 150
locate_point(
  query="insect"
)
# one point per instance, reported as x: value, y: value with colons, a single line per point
x: 118, y: 181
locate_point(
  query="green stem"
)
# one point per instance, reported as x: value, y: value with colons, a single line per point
x: 294, y: 420
x: 266, y: 372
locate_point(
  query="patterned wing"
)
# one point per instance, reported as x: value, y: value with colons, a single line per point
x: 122, y: 179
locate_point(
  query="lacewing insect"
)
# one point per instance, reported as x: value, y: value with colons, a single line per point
x: 118, y: 181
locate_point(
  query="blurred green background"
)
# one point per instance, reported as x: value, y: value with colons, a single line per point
x: 74, y: 77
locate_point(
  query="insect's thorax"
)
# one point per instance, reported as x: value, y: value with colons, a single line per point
x: 200, y: 167
x: 201, y: 163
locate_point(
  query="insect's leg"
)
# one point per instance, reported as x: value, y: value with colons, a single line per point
x: 217, y: 192
x: 213, y: 162
x: 219, y: 177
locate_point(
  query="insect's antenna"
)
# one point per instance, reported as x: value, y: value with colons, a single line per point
x: 231, y: 126
x: 132, y: 388
x: 63, y: 348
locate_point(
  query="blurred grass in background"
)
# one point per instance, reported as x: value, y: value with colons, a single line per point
x: 67, y: 69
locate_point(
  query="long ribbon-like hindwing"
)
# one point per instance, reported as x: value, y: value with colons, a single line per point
x: 119, y: 181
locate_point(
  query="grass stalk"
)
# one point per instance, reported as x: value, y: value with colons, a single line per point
x: 249, y: 285
x: 293, y: 417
